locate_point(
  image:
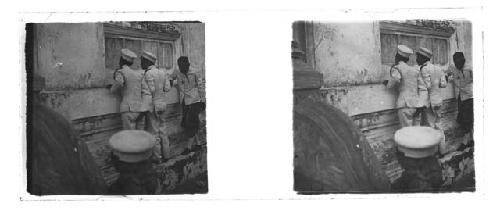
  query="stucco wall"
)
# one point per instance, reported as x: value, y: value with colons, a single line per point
x: 349, y: 57
x: 70, y: 56
x: 462, y: 40
x: 192, y: 44
x: 71, y: 59
x: 347, y: 53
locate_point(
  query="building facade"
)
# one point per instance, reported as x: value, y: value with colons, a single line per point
x: 77, y: 61
x: 354, y: 60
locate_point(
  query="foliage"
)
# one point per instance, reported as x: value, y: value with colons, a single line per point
x: 439, y: 25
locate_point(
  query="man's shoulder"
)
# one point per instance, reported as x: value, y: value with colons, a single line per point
x: 125, y: 69
x: 193, y: 72
x: 468, y: 68
x: 177, y: 72
x: 397, y: 68
x: 128, y: 70
x: 407, y: 68
x: 153, y: 71
x: 402, y: 64
x: 429, y: 67
x: 140, y: 72
x: 394, y: 67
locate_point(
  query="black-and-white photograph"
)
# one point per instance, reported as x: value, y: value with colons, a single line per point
x: 383, y: 106
x: 116, y: 108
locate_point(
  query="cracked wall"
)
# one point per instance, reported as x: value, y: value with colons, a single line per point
x: 70, y: 56
x: 349, y: 57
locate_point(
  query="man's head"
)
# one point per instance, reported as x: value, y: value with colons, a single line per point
x: 125, y: 62
x: 403, y: 54
x: 399, y: 58
x: 423, y: 55
x: 147, y: 59
x: 459, y: 60
x: 421, y: 59
x: 183, y: 63
x: 145, y: 63
x: 127, y: 57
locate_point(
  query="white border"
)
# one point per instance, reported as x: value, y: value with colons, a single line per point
x: 247, y: 60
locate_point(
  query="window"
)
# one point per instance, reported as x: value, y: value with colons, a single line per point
x: 393, y: 34
x: 159, y: 43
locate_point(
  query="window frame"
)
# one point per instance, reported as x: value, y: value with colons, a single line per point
x: 128, y: 33
x: 409, y: 30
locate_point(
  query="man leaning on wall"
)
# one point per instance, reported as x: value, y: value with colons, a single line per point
x: 461, y: 77
x: 157, y: 119
x: 136, y: 91
x: 434, y: 80
x: 191, y: 99
x: 405, y: 77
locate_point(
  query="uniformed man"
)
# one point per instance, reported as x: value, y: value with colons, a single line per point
x: 405, y: 77
x: 136, y: 91
x: 132, y: 152
x: 461, y: 76
x: 433, y: 79
x: 190, y: 98
x: 158, y: 117
x: 423, y: 84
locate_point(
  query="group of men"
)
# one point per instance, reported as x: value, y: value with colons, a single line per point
x: 419, y: 89
x: 144, y: 97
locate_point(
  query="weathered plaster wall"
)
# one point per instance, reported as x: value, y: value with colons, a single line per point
x: 70, y: 56
x: 461, y: 40
x: 192, y: 44
x: 349, y: 57
x: 367, y: 98
x: 71, y: 59
x: 82, y: 103
x: 347, y: 53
